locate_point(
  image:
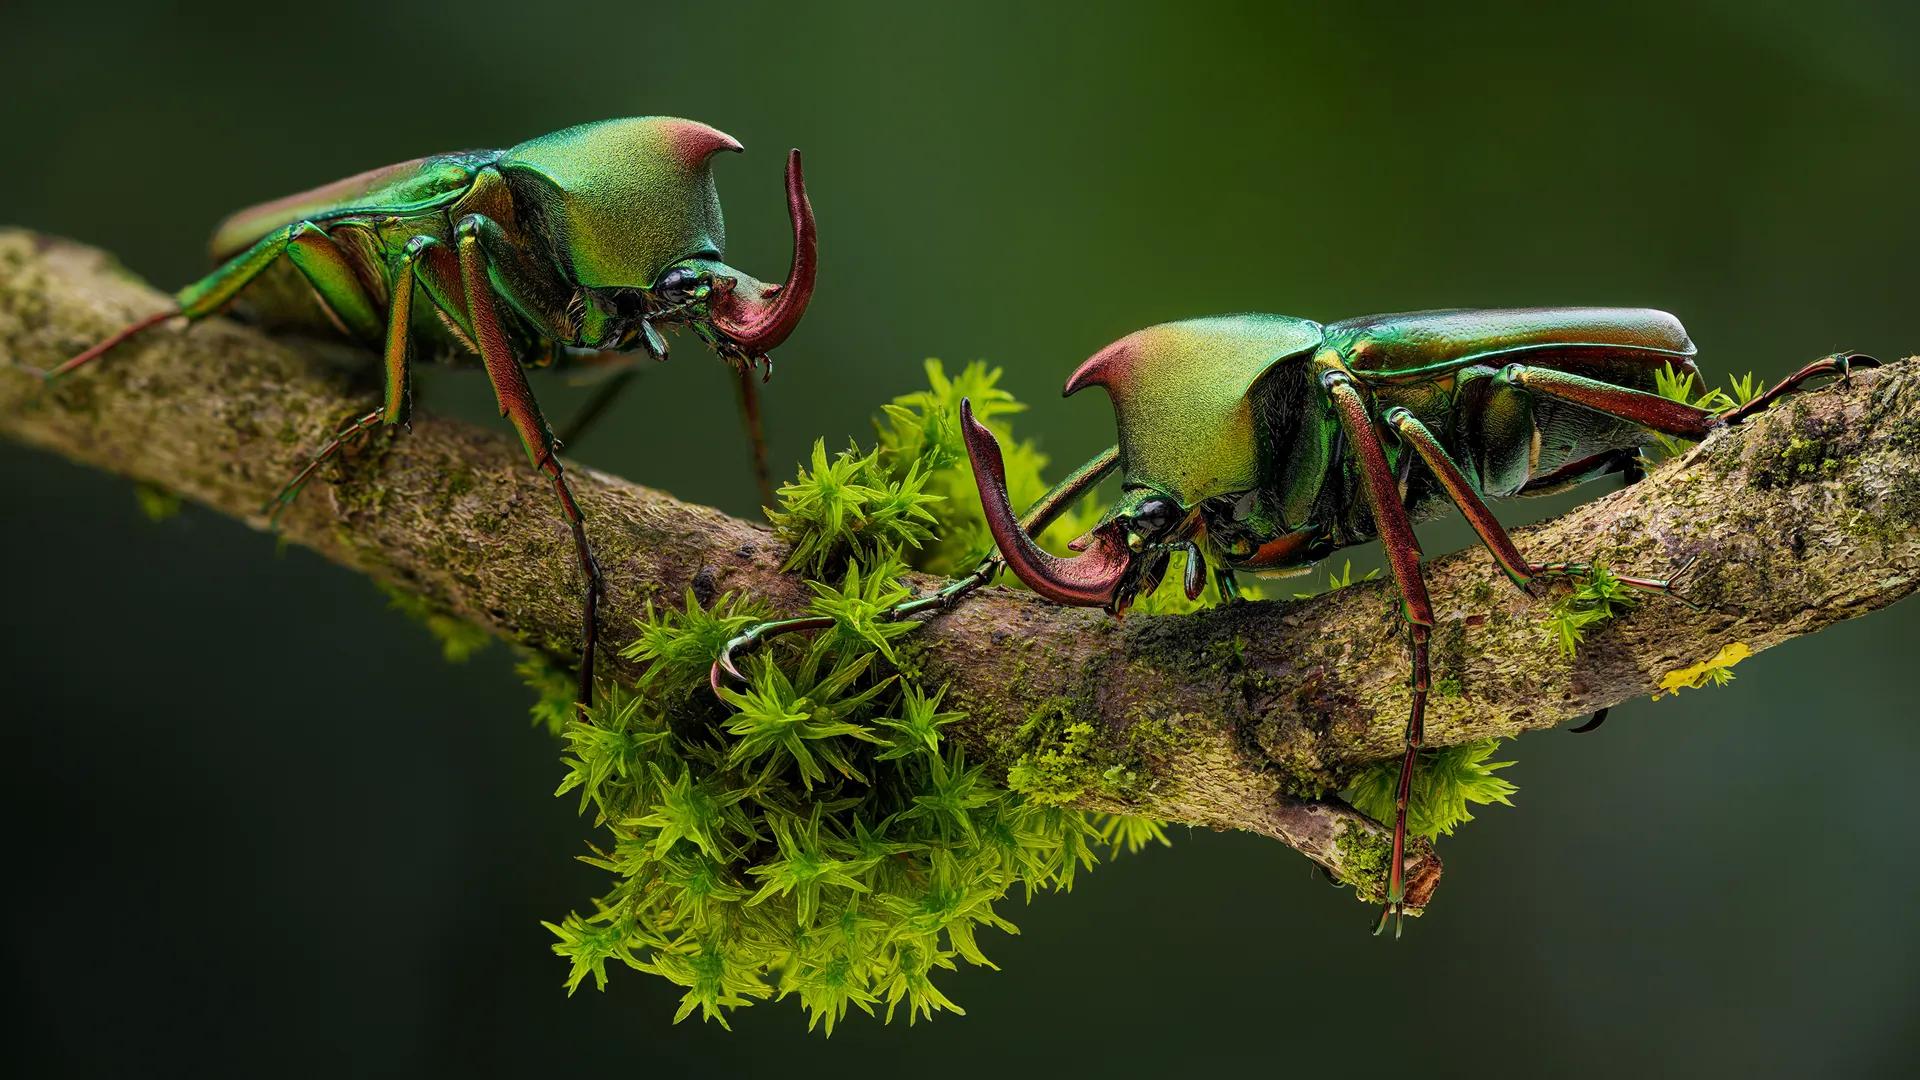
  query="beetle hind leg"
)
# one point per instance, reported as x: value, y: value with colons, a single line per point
x: 1453, y: 480
x: 1839, y: 365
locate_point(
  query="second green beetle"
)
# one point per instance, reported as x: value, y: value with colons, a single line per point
x: 1262, y: 443
x: 568, y: 250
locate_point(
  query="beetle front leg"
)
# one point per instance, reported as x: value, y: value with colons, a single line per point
x: 516, y: 403
x: 1042, y: 513
x: 1403, y: 558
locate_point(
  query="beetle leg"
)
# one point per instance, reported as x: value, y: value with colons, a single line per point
x: 749, y: 392
x: 196, y: 301
x: 335, y: 282
x: 1042, y: 513
x: 1839, y: 364
x: 1494, y: 535
x: 516, y: 402
x: 289, y: 491
x: 1403, y: 558
x: 1663, y: 414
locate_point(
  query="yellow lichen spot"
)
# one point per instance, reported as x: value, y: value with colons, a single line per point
x: 1718, y: 671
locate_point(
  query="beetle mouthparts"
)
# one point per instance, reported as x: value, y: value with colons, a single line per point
x: 758, y: 323
x: 1089, y: 579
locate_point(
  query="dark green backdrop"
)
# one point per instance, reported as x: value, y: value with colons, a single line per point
x: 258, y: 827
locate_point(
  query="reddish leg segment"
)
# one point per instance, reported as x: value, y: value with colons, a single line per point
x: 1403, y: 557
x: 1494, y: 535
x: 517, y: 405
x: 1038, y: 516
x: 291, y: 489
x: 1838, y: 364
x: 1663, y: 414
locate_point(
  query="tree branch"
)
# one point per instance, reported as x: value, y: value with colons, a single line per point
x: 1802, y: 518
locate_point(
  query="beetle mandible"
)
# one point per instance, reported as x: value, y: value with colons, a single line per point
x: 569, y: 250
x: 1263, y: 443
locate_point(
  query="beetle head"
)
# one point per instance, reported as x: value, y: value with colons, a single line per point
x: 631, y: 205
x: 748, y: 317
x: 1181, y: 396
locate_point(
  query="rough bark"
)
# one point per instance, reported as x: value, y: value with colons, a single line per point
x: 1804, y: 517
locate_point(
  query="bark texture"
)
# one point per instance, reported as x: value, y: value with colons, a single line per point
x: 1804, y: 517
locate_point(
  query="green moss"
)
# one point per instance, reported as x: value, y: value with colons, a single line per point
x: 1800, y: 451
x: 156, y: 503
x: 813, y: 833
x: 1365, y: 856
x: 1447, y: 782
x: 1059, y: 765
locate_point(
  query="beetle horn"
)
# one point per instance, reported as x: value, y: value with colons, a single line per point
x: 753, y: 323
x: 1089, y: 579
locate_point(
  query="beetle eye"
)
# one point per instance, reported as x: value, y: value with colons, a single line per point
x: 1155, y: 518
x: 679, y: 285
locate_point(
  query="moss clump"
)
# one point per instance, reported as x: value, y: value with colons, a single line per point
x: 1798, y: 459
x: 1597, y: 599
x: 156, y: 503
x: 1364, y: 859
x: 1447, y: 781
x: 813, y: 833
x: 1800, y: 452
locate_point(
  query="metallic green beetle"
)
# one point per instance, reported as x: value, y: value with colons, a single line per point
x: 567, y: 250
x: 1262, y: 443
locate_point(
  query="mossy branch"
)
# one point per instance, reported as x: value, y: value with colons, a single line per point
x: 1231, y: 718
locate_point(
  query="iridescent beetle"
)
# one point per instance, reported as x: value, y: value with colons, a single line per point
x: 1262, y: 443
x: 568, y: 250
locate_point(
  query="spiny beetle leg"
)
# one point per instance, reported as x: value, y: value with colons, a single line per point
x: 1403, y: 557
x: 516, y: 403
x: 1042, y: 513
x: 1840, y: 364
x: 290, y: 491
x: 1652, y: 411
x: 1663, y: 414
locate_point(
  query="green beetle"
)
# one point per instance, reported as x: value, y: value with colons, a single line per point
x: 1263, y: 443
x: 568, y: 250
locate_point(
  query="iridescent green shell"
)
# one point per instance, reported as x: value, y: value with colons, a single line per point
x: 624, y: 199
x: 1181, y: 399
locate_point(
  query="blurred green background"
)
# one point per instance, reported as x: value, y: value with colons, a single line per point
x: 259, y: 827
